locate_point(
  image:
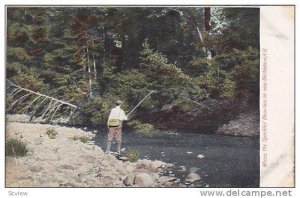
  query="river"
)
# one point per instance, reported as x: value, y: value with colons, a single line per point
x: 228, y: 161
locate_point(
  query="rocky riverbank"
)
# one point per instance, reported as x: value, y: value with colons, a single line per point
x: 246, y: 124
x: 65, y: 161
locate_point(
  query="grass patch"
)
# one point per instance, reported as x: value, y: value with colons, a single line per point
x: 82, y: 139
x: 51, y: 133
x: 15, y: 147
x: 75, y: 138
x: 132, y: 154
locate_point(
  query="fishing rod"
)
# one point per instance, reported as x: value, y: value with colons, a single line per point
x: 152, y: 91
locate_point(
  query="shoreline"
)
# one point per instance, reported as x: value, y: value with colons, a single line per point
x: 64, y: 162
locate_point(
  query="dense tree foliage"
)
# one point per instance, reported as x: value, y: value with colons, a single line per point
x: 92, y: 56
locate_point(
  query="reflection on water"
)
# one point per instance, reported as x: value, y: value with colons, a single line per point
x: 228, y: 161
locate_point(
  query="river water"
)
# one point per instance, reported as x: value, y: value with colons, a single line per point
x: 228, y: 161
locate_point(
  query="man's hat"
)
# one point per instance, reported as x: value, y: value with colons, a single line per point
x: 119, y: 102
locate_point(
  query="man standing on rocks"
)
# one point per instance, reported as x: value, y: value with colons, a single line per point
x: 114, y: 123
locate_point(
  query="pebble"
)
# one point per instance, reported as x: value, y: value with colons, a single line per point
x: 200, y: 156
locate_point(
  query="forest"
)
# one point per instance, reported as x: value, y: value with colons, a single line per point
x: 203, y: 62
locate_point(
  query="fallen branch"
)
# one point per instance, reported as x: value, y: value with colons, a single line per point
x: 24, y: 89
x: 25, y: 109
x: 20, y: 99
x: 57, y: 108
x: 49, y: 109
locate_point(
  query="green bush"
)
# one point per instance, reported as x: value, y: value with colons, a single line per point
x: 75, y: 138
x: 83, y: 139
x: 146, y: 129
x: 15, y: 147
x: 132, y: 154
x: 51, y: 133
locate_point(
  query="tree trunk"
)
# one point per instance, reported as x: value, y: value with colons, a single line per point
x: 89, y: 74
x: 207, y: 19
x: 95, y: 69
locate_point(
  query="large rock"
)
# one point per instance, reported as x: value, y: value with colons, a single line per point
x: 143, y: 180
x: 166, y: 179
x: 158, y: 164
x: 192, y: 177
x: 129, y: 180
x: 246, y: 124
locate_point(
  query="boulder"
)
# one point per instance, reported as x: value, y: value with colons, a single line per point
x: 246, y: 124
x: 129, y: 180
x: 144, y: 163
x: 165, y: 179
x: 158, y: 164
x: 192, y: 177
x: 143, y: 180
